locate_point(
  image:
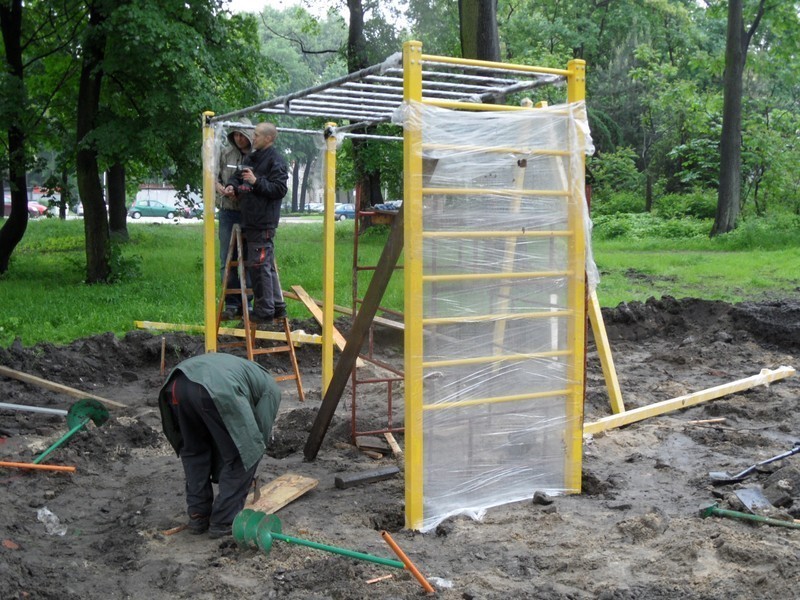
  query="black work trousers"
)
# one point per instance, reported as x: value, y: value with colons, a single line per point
x: 267, y: 294
x: 206, y: 440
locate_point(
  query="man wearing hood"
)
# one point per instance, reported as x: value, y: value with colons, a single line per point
x: 260, y: 186
x: 240, y: 142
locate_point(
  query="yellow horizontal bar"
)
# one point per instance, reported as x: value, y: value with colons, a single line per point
x: 494, y: 234
x: 491, y: 276
x: 505, y: 316
x: 498, y: 149
x: 456, y: 105
x: 495, y: 400
x: 492, y: 192
x: 480, y: 360
x: 297, y: 337
x: 494, y: 65
x: 659, y: 408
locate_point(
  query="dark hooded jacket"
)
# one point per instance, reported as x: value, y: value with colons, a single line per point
x: 260, y: 202
x: 231, y: 155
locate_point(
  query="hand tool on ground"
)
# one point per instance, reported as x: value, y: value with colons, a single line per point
x: 407, y: 562
x: 722, y: 477
x: 78, y: 417
x: 715, y: 510
x: 753, y: 499
x: 258, y: 529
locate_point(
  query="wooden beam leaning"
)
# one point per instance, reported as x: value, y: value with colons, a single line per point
x: 659, y: 408
x: 312, y: 307
x: 344, y: 366
x: 56, y: 387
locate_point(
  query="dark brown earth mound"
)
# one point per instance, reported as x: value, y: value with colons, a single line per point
x: 635, y: 532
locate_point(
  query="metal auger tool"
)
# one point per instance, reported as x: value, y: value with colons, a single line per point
x: 78, y: 417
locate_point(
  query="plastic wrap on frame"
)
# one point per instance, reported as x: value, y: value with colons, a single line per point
x: 502, y: 192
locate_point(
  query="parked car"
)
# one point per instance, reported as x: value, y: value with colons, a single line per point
x: 150, y: 208
x: 34, y: 208
x: 345, y: 211
x: 193, y: 212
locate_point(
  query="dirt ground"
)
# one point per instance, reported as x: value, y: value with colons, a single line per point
x: 634, y: 532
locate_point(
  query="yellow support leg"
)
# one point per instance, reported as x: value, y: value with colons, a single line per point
x: 604, y: 351
x: 209, y: 239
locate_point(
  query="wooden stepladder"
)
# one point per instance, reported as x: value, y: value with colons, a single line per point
x: 251, y: 333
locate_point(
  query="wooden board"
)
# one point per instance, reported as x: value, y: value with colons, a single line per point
x: 281, y: 491
x: 56, y: 387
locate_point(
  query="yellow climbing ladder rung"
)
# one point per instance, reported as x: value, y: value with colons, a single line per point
x: 512, y: 192
x: 480, y: 360
x: 474, y: 235
x: 495, y: 400
x: 498, y: 149
x: 494, y: 276
x: 495, y: 317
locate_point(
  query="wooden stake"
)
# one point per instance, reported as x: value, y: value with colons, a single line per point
x: 163, y: 353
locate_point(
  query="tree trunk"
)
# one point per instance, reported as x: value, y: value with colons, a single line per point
x: 306, y: 175
x: 95, y: 218
x: 478, y: 24
x: 14, y: 228
x: 117, y: 211
x: 730, y: 148
x: 297, y: 203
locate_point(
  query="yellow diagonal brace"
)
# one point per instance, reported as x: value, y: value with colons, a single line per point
x: 604, y: 352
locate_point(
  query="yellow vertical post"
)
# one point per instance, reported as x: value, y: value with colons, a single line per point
x: 576, y: 91
x: 576, y: 80
x: 329, y: 236
x: 412, y: 270
x: 209, y: 246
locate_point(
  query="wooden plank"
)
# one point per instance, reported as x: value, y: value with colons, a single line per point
x: 396, y: 449
x: 344, y: 366
x: 604, y: 352
x: 279, y: 492
x: 312, y: 307
x: 56, y: 387
x: 349, y: 480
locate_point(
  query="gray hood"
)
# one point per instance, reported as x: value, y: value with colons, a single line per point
x: 246, y: 132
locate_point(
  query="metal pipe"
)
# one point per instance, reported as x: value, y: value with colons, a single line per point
x: 35, y: 409
x: 60, y: 468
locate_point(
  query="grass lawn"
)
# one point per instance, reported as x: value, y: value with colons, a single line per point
x: 45, y: 299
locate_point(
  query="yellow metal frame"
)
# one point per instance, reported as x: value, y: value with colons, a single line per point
x: 329, y: 237
x: 412, y: 269
x: 209, y: 239
x: 415, y: 278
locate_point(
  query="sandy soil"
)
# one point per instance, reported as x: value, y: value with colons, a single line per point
x: 635, y: 532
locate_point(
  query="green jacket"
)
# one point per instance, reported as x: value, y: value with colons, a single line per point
x: 244, y: 393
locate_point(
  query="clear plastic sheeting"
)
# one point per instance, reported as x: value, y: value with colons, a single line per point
x: 505, y: 229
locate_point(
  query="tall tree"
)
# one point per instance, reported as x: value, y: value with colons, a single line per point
x: 729, y: 200
x: 14, y: 89
x: 479, y: 36
x: 95, y: 218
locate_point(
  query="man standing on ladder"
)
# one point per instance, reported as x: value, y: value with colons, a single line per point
x: 260, y: 186
x: 240, y: 140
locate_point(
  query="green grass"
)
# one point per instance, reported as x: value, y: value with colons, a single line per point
x: 44, y: 298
